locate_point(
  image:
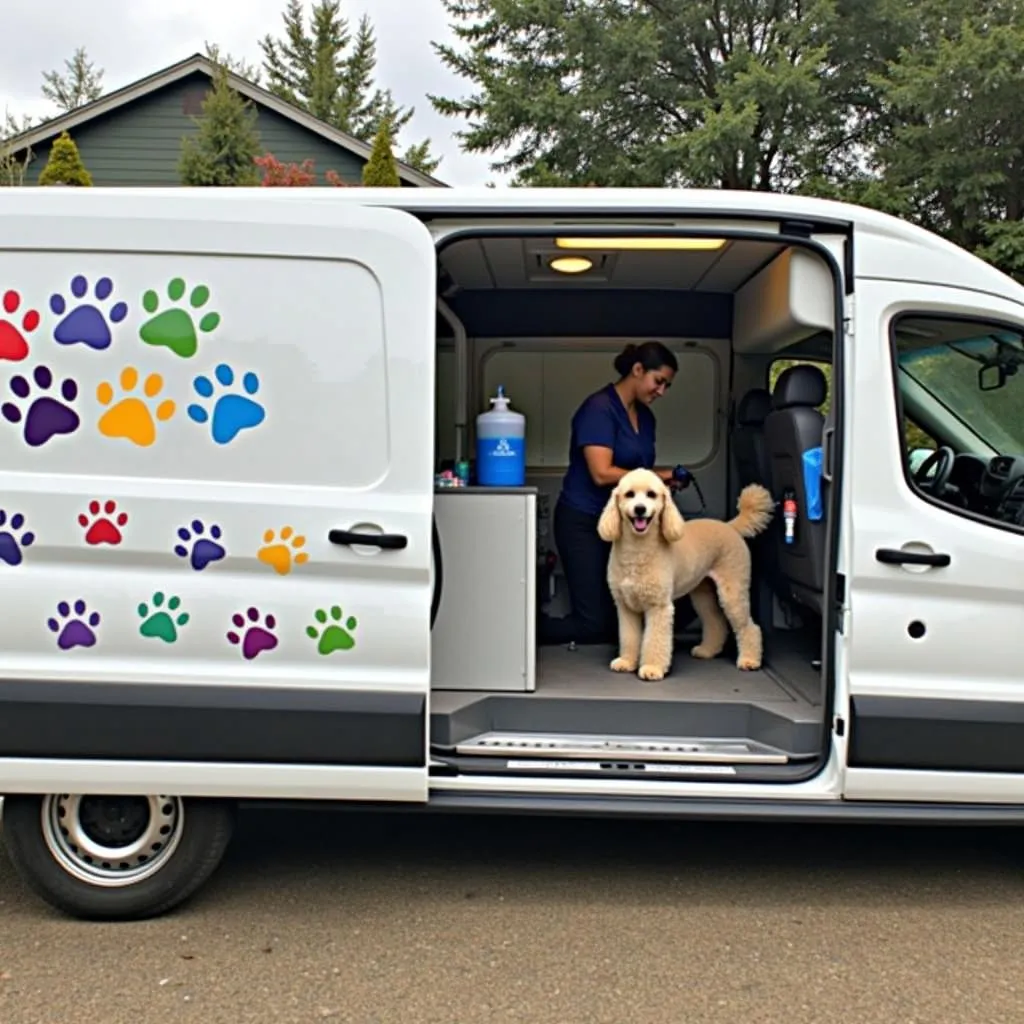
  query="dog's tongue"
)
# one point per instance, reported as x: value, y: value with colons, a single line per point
x: 640, y: 524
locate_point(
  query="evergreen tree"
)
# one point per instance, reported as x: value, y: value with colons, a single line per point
x: 238, y: 65
x: 82, y: 84
x: 226, y: 144
x: 380, y: 170
x: 64, y: 166
x: 713, y: 93
x: 326, y: 71
x: 13, y: 165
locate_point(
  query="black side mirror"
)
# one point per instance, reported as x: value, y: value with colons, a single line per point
x: 992, y: 377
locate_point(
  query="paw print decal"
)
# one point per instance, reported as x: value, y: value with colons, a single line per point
x: 134, y: 417
x: 282, y: 551
x: 251, y: 635
x: 74, y: 625
x: 14, y: 538
x: 175, y: 328
x: 330, y: 632
x: 15, y: 327
x: 103, y: 523
x: 160, y: 620
x: 41, y: 414
x: 198, y: 546
x: 83, y: 322
x: 233, y: 410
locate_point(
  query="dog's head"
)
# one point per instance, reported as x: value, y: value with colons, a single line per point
x: 641, y: 500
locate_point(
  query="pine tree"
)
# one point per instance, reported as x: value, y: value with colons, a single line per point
x: 326, y: 71
x: 237, y: 65
x: 64, y: 167
x: 380, y: 170
x: 82, y: 84
x: 13, y: 165
x: 226, y: 144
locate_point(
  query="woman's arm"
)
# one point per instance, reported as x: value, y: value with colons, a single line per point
x: 599, y: 462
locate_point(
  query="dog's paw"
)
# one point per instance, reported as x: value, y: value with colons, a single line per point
x: 651, y: 673
x: 748, y: 664
x: 700, y: 651
x: 622, y: 665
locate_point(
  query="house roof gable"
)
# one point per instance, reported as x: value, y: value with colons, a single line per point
x: 198, y: 62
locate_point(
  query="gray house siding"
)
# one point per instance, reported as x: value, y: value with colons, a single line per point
x: 139, y: 144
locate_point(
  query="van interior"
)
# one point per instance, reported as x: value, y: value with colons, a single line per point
x: 544, y: 317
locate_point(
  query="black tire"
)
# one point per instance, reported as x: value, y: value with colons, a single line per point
x: 205, y: 831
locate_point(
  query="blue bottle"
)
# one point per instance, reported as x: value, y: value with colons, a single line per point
x: 501, y: 445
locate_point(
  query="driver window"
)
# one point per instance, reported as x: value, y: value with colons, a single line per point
x: 958, y: 380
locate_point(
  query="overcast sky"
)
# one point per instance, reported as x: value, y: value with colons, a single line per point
x: 130, y: 39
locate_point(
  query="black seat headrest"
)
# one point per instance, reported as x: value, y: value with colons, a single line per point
x: 754, y: 406
x: 800, y: 386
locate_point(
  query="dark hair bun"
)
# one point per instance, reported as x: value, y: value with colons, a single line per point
x: 625, y: 360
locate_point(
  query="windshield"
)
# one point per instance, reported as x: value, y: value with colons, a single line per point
x: 974, y: 371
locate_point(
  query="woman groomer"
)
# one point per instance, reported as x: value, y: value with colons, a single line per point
x: 612, y: 433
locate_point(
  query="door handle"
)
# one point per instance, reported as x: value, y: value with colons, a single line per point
x: 893, y: 556
x: 387, y: 541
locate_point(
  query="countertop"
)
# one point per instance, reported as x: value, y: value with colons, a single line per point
x: 485, y: 490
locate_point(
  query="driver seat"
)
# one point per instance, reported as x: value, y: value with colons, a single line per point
x: 793, y: 427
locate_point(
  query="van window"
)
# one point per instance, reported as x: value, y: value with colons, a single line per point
x: 959, y: 379
x: 548, y: 386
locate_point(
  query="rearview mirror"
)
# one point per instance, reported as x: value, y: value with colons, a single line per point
x: 991, y: 377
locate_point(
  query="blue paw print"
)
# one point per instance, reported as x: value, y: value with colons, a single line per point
x: 84, y: 324
x: 12, y: 540
x: 198, y: 548
x: 232, y: 413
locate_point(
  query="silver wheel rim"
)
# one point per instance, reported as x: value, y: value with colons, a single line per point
x: 112, y: 841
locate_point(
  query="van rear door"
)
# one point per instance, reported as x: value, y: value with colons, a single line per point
x: 216, y: 480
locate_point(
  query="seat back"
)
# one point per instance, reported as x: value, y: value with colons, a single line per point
x: 748, y: 436
x: 793, y: 427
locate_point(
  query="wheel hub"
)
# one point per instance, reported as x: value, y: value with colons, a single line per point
x: 112, y: 841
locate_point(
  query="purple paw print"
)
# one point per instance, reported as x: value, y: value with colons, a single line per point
x: 199, y: 549
x: 74, y: 628
x: 46, y: 416
x: 84, y: 323
x: 12, y: 540
x: 254, y: 639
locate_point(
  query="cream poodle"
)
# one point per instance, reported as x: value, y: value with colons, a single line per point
x: 657, y: 558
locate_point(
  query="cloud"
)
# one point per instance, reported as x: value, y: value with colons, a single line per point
x: 131, y: 39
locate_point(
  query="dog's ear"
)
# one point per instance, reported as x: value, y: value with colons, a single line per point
x: 672, y: 524
x: 609, y: 526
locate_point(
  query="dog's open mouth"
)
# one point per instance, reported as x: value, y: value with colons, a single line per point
x: 640, y: 523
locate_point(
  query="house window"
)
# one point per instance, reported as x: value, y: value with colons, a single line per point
x: 192, y: 102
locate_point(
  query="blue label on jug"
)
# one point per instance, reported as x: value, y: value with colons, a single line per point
x: 500, y: 460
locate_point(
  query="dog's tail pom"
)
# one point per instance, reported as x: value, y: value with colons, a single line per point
x: 756, y: 508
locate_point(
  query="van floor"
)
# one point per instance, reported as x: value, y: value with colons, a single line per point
x: 577, y: 693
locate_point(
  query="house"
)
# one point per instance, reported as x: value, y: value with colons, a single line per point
x: 132, y: 137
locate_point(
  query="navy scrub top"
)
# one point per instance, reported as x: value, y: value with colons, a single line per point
x: 602, y: 420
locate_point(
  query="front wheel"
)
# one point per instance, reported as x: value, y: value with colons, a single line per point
x: 115, y: 858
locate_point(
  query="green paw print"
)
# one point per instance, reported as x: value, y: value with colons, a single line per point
x: 332, y: 636
x: 176, y: 328
x: 162, y: 622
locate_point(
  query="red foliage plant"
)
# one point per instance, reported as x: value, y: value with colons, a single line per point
x: 280, y: 175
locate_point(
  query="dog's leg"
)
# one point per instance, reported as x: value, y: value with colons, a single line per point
x: 714, y: 628
x: 656, y: 649
x: 630, y: 627
x: 735, y: 602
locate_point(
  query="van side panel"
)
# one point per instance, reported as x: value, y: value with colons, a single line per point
x: 205, y: 395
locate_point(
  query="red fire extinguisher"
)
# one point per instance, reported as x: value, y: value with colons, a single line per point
x: 789, y: 515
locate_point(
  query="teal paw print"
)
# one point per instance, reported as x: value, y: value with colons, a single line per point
x: 176, y: 328
x: 162, y: 622
x: 332, y: 636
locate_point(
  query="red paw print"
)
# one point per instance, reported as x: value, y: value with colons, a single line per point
x: 104, y: 523
x: 13, y: 345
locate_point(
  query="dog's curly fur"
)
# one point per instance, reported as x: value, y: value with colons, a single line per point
x: 657, y: 558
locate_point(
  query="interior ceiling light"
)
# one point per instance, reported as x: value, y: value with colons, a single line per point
x: 571, y: 264
x: 650, y: 243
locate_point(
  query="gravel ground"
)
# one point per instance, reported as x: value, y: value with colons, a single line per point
x: 431, y: 920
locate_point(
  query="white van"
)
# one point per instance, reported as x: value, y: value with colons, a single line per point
x: 228, y: 571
